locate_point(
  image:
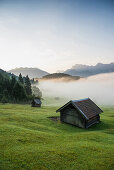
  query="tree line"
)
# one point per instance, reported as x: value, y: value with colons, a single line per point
x: 15, y: 90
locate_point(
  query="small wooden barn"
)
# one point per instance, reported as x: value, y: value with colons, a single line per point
x: 82, y: 113
x: 36, y: 103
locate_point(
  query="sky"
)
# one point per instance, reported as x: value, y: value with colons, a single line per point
x: 56, y: 34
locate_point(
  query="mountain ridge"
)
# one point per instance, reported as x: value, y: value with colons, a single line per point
x: 30, y: 71
x: 76, y: 70
x: 86, y: 70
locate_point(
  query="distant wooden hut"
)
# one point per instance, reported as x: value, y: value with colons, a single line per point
x: 36, y: 103
x: 82, y: 113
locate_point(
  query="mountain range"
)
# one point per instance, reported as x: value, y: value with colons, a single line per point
x: 86, y: 70
x: 31, y: 72
x: 76, y: 70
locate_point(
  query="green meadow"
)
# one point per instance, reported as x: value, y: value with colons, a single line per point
x: 30, y: 140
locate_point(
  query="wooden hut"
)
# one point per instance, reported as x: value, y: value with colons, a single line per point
x: 36, y: 103
x: 82, y: 113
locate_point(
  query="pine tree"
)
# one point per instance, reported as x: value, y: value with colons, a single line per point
x: 13, y: 81
x: 21, y: 79
x: 4, y: 100
x: 12, y: 84
x: 19, y: 92
x: 28, y: 86
x: 33, y: 81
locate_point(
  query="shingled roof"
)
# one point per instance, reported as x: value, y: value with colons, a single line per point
x: 85, y: 106
x: 37, y: 101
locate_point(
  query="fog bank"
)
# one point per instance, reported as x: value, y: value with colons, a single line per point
x: 99, y: 88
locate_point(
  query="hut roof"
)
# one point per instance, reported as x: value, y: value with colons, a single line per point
x: 85, y: 106
x: 37, y: 101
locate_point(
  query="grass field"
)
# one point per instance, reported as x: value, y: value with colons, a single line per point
x: 29, y: 140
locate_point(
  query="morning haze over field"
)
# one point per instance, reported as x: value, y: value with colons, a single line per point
x: 57, y: 84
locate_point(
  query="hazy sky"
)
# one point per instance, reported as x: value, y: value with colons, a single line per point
x: 56, y: 34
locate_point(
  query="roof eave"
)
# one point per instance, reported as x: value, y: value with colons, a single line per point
x: 97, y: 106
x: 61, y: 108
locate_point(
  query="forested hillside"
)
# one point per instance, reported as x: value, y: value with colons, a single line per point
x: 12, y: 90
x: 60, y: 75
x: 6, y: 74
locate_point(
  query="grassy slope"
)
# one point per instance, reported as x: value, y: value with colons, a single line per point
x: 29, y: 140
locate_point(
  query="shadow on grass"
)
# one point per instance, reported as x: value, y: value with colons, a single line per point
x: 102, y: 125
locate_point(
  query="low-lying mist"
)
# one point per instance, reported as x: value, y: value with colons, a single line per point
x: 99, y: 88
